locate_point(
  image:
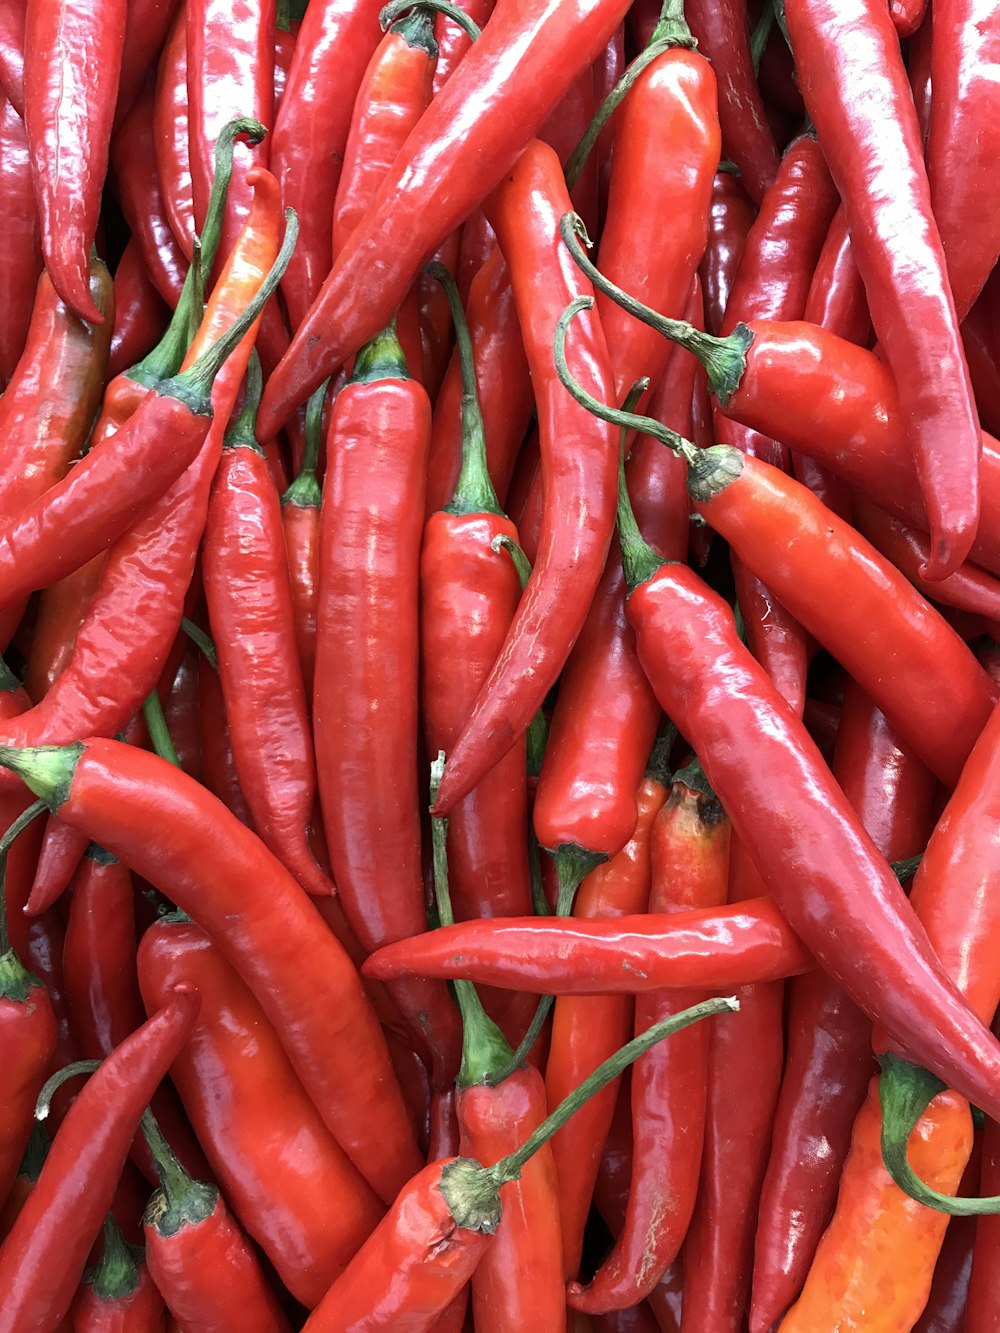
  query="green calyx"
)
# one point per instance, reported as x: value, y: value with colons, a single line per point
x: 116, y: 1276
x: 380, y: 359
x: 711, y: 470
x: 16, y: 982
x: 305, y: 491
x: 392, y: 16
x: 180, y: 1201
x: 47, y: 769
x: 242, y: 434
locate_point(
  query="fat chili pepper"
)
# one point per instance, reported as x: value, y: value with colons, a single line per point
x: 72, y: 62
x: 263, y: 923
x: 469, y: 138
x: 848, y: 62
x: 43, y: 1256
x: 21, y: 259
x: 118, y: 1295
x: 368, y: 634
x: 199, y: 1258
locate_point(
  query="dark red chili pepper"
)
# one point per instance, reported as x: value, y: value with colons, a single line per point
x: 118, y: 1295
x: 249, y: 598
x: 21, y: 260
x: 300, y: 520
x: 140, y: 313
x: 291, y: 1184
x: 722, y: 28
x: 946, y: 1301
x: 170, y: 126
x: 730, y: 217
x: 837, y: 300
x: 608, y: 68
x: 367, y: 633
x: 205, y: 1267
x: 848, y: 61
x: 72, y: 62
x: 469, y: 138
x: 285, y: 35
x: 984, y: 1281
x: 218, y: 762
x: 981, y: 354
x: 43, y: 1256
x: 147, y: 24
x: 562, y: 130
x: 180, y: 709
x: 12, y: 53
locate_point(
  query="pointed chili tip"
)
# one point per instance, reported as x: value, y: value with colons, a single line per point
x: 73, y: 286
x: 383, y: 964
x: 948, y: 552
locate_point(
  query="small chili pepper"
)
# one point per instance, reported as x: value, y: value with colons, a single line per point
x: 140, y: 313
x: 300, y: 520
x: 170, y: 125
x: 43, y: 1256
x: 200, y: 1260
x: 469, y: 138
x: 848, y: 62
x: 219, y: 871
x: 307, y: 1208
x: 118, y: 1293
x: 21, y: 261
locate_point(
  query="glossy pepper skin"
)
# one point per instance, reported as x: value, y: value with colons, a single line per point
x: 470, y: 137
x: 28, y: 1027
x: 12, y: 53
x: 855, y: 88
x: 580, y: 463
x: 730, y: 217
x: 118, y: 1295
x: 368, y: 635
x: 291, y: 1184
x: 43, y: 1255
x: 266, y: 927
x: 21, y: 262
x: 147, y: 24
x: 984, y: 1280
x: 141, y: 315
x: 170, y: 126
x: 627, y: 956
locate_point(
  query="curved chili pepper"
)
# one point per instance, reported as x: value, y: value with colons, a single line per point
x: 335, y: 43
x: 199, y: 1258
x: 723, y: 33
x: 12, y: 53
x: 300, y: 521
x: 147, y: 24
x: 290, y: 1183
x: 70, y: 93
x: 730, y: 217
x: 118, y: 1295
x: 579, y: 463
x: 216, y: 745
x: 21, y: 260
x: 140, y: 313
x: 367, y: 634
x: 170, y: 126
x: 43, y: 1256
x: 848, y: 61
x: 217, y: 869
x: 249, y: 599
x: 469, y: 138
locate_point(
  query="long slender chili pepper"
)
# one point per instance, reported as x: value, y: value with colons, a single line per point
x: 141, y: 314
x: 368, y: 633
x: 12, y: 53
x: 199, y: 1258
x: 118, y: 1293
x: 43, y: 1256
x: 219, y: 765
x: 308, y: 1209
x: 21, y: 260
x: 848, y: 62
x: 170, y: 125
x: 579, y: 463
x: 249, y: 597
x: 469, y: 138
x: 439, y: 1227
x: 627, y: 956
x: 730, y: 217
x: 300, y: 521
x: 837, y: 299
x: 147, y: 23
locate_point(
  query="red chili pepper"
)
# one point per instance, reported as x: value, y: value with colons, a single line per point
x: 180, y: 709
x: 367, y: 633
x: 72, y: 62
x: 140, y: 313
x: 454, y: 41
x: 61, y: 608
x: 469, y: 138
x: 723, y: 33
x: 837, y: 300
x: 199, y: 1258
x: 291, y: 1184
x: 216, y: 746
x: 848, y: 61
x: 300, y: 520
x: 118, y: 1295
x: 984, y: 1281
x: 147, y: 24
x: 730, y: 218
x: 21, y: 261
x: 43, y: 1256
x: 170, y: 125
x: 12, y: 53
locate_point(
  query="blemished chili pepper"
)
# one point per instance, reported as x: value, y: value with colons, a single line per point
x: 43, y: 1256
x: 334, y: 45
x: 12, y: 53
x: 69, y: 107
x: 140, y: 313
x: 147, y: 25
x: 170, y: 125
x: 439, y: 1228
x: 368, y: 633
x: 467, y: 141
x: 300, y: 521
x: 215, y: 868
x: 202, y: 1263
x: 21, y: 261
x: 730, y: 217
x: 118, y: 1294
x: 579, y: 462
x: 292, y: 1186
x: 829, y: 1039
x: 723, y: 33
x: 848, y: 61
x: 249, y: 598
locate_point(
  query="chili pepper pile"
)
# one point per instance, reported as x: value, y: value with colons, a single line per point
x: 500, y: 615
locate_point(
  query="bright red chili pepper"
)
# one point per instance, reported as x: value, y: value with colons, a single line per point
x: 170, y: 125
x: 292, y: 1186
x: 21, y: 259
x: 300, y: 520
x: 216, y: 868
x: 469, y: 138
x: 118, y: 1295
x: 140, y: 313
x: 43, y: 1256
x: 848, y: 61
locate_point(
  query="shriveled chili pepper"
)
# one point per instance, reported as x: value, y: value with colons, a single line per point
x: 170, y: 125
x: 21, y: 261
x: 367, y: 633
x: 199, y: 1258
x: 848, y: 62
x: 70, y: 94
x: 300, y: 521
x: 217, y: 869
x: 118, y: 1294
x: 140, y: 312
x: 469, y: 138
x: 43, y: 1256
x: 291, y: 1184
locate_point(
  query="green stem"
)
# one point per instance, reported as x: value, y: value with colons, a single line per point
x: 501, y: 542
x: 8, y: 681
x: 305, y: 491
x: 779, y: 14
x: 484, y: 1047
x: 242, y: 434
x: 539, y: 903
x: 159, y: 732
x: 904, y: 870
x: 761, y: 33
x: 180, y: 1200
x: 393, y: 12
x: 196, y: 297
x: 116, y: 1276
x: 202, y: 642
x: 904, y: 1092
x: 724, y: 359
x: 51, y: 1086
x: 474, y: 491
x: 283, y: 15
x: 12, y: 983
x: 658, y: 764
x: 380, y: 359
